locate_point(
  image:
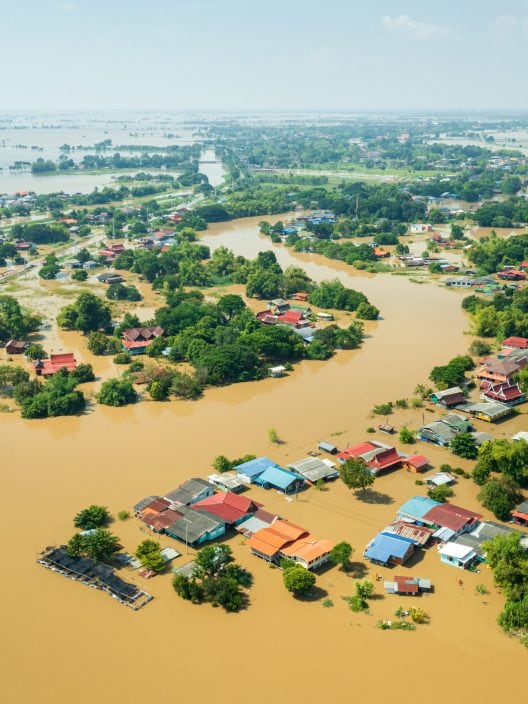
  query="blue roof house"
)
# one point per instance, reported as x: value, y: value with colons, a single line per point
x: 387, y: 548
x: 416, y: 508
x: 249, y: 471
x: 281, y: 479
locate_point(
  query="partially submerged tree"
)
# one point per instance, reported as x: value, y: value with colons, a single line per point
x: 341, y: 554
x: 92, y: 517
x: 355, y: 474
x: 298, y: 580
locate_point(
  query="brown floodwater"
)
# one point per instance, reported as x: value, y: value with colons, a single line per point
x: 63, y: 642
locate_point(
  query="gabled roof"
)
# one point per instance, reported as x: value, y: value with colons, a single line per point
x: 504, y: 367
x: 228, y: 506
x: 308, y: 548
x: 252, y: 468
x: 269, y: 541
x: 194, y: 524
x: 386, y: 546
x: 417, y: 507
x: 314, y: 468
x: 356, y: 450
x: 188, y: 491
x: 450, y: 516
x: 278, y: 477
x: 417, y: 461
x: 145, y: 333
x: 518, y: 342
x: 144, y: 502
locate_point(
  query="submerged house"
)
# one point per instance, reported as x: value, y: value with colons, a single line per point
x: 419, y: 535
x: 250, y: 470
x: 438, y: 432
x: 136, y: 340
x: 196, y: 527
x: 416, y: 508
x: 451, y: 520
x: 457, y: 555
x: 281, y: 479
x: 16, y: 347
x: 314, y: 469
x: 56, y: 362
x: 489, y: 411
x: 283, y: 539
x: 389, y: 549
x: 229, y: 507
x: 507, y: 392
x: 448, y: 397
x: 379, y: 457
x: 190, y: 492
x: 259, y: 520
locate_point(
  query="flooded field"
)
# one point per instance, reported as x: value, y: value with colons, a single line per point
x: 78, y: 644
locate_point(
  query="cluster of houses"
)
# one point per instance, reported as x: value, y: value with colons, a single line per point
x: 199, y: 510
x: 458, y: 533
x: 381, y: 457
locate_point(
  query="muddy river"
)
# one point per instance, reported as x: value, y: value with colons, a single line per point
x: 64, y: 642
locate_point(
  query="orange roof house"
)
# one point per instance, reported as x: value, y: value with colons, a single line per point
x: 310, y: 552
x: 286, y: 540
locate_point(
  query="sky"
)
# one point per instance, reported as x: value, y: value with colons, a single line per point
x: 256, y: 55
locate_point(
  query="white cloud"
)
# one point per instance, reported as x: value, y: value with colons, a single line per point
x: 505, y: 25
x: 68, y: 7
x: 413, y: 28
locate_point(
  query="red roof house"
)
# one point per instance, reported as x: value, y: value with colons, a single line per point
x: 56, y: 362
x: 356, y: 450
x: 520, y: 343
x: 386, y: 459
x: 459, y: 520
x: 506, y: 392
x: 230, y: 507
x: 290, y: 317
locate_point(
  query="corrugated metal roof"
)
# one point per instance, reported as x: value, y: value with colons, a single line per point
x: 417, y: 507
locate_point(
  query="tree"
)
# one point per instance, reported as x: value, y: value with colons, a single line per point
x: 479, y: 348
x: 101, y: 545
x: 216, y: 579
x: 341, y: 554
x: 49, y: 271
x: 83, y: 373
x: 406, y: 435
x: 79, y: 275
x: 355, y: 473
x: 212, y: 559
x: 89, y: 313
x: 36, y: 351
x: 100, y: 344
x: 298, y: 580
x: 222, y: 464
x: 366, y: 311
x: 500, y: 496
x: 117, y: 392
x: 507, y: 557
x: 273, y: 436
x: 14, y: 321
x: 464, y: 445
x: 440, y: 493
x: 230, y: 305
x: 149, y: 553
x: 92, y: 517
x: 364, y: 589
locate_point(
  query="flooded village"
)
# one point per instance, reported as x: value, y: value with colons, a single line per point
x: 155, y: 465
